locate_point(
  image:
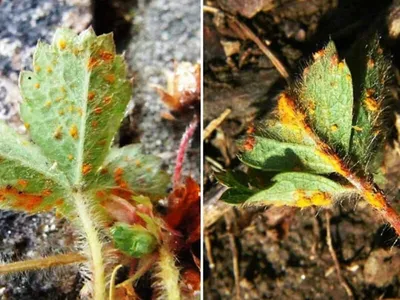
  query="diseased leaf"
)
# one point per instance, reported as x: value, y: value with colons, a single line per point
x: 27, y: 180
x: 326, y: 94
x: 315, y: 129
x: 128, y: 168
x: 74, y: 100
x: 298, y: 189
x: 371, y: 74
x: 272, y: 155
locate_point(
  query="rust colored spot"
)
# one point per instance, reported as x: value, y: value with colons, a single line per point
x: 101, y: 194
x: 46, y: 192
x: 98, y: 110
x: 334, y: 128
x: 118, y: 172
x: 37, y: 85
x: 371, y: 104
x: 70, y: 157
x: 380, y: 51
x: 22, y: 183
x: 49, y: 70
x: 102, y: 142
x: 62, y: 44
x: 249, y: 143
x: 370, y: 92
x: 251, y: 129
x: 107, y: 100
x: 335, y: 60
x: 110, y: 78
x: 59, y: 202
x: 73, y: 132
x: 106, y: 56
x: 93, y: 62
x: 95, y: 123
x: 370, y: 63
x: 86, y: 168
x: 319, y: 54
x: 103, y: 171
x: 91, y: 96
x: 58, y: 133
x: 37, y: 68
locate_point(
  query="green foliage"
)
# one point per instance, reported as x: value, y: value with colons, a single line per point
x: 134, y: 240
x: 329, y: 122
x: 73, y: 103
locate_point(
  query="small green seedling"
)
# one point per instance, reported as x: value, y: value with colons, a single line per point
x: 73, y: 103
x: 330, y: 123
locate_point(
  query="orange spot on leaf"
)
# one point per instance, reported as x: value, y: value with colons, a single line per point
x: 22, y: 183
x: 110, y: 78
x: 62, y: 44
x: 86, y: 168
x: 98, y: 110
x: 37, y: 85
x: 106, y: 56
x: 91, y: 96
x: 93, y: 62
x: 73, y: 131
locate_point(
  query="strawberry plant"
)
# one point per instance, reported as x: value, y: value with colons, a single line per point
x: 73, y: 102
x: 323, y: 142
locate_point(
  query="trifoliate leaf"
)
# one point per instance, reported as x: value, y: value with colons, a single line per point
x: 74, y: 100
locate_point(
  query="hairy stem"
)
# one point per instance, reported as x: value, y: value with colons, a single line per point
x: 42, y: 263
x: 95, y: 246
x: 168, y: 275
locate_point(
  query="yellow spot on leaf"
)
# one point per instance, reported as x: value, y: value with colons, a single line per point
x: 371, y: 104
x: 70, y: 157
x: 37, y: 85
x: 27, y: 125
x: 86, y: 168
x: 47, y: 104
x: 334, y: 128
x: 341, y: 65
x: 73, y: 131
x: 49, y: 70
x: 61, y: 112
x: 37, y: 68
x: 62, y: 44
x: 357, y: 128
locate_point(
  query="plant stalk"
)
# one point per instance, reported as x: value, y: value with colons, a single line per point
x: 168, y: 275
x: 95, y: 246
x: 42, y: 263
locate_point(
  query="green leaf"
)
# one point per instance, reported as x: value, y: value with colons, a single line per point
x: 370, y: 71
x: 298, y: 189
x: 129, y: 168
x: 272, y: 155
x: 27, y: 180
x: 326, y: 94
x: 74, y: 100
x: 134, y: 240
x: 236, y: 196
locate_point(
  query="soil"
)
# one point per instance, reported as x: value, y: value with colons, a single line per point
x: 283, y: 253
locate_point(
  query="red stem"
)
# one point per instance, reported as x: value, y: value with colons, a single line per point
x: 187, y: 136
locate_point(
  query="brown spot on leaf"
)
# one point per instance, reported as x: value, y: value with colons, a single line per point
x: 58, y: 133
x: 91, y: 95
x: 110, y: 78
x: 98, y: 110
x: 95, y: 123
